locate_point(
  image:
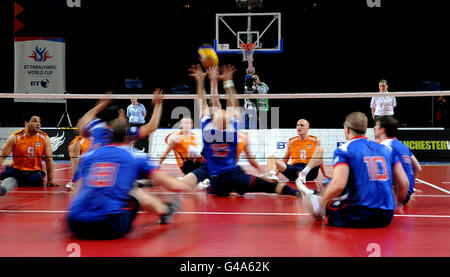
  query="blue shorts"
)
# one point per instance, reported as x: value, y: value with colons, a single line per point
x: 342, y: 214
x: 24, y: 178
x: 113, y: 227
x: 239, y: 181
x: 292, y: 171
x: 201, y: 172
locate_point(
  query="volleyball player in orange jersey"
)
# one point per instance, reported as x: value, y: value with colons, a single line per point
x: 28, y: 146
x: 183, y: 143
x: 305, y: 153
x: 77, y: 147
x: 244, y: 146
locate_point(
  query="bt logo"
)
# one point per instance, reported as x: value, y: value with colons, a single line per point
x: 43, y: 83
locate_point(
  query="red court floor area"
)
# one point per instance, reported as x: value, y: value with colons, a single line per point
x: 32, y: 224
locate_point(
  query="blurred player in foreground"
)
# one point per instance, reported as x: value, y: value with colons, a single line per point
x: 106, y: 202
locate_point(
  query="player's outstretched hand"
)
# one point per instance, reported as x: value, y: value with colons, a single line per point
x: 213, y: 73
x: 157, y: 96
x: 227, y: 72
x: 197, y: 72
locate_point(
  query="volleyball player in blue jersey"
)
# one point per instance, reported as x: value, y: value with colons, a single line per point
x: 95, y: 122
x: 360, y: 195
x: 219, y: 131
x: 386, y: 131
x: 106, y: 202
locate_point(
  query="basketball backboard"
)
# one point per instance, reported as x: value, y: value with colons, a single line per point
x: 234, y: 29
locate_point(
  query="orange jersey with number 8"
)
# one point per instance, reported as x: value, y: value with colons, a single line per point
x: 301, y: 151
x: 28, y: 151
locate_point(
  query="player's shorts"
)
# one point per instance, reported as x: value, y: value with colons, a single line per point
x: 292, y: 171
x: 239, y: 181
x: 113, y: 227
x: 201, y: 172
x: 191, y: 165
x: 342, y: 214
x: 24, y: 178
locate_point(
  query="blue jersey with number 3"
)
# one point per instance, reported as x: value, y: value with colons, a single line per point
x: 219, y: 147
x: 370, y: 178
x: 106, y: 175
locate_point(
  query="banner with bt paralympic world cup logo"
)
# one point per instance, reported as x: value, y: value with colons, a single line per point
x: 39, y: 67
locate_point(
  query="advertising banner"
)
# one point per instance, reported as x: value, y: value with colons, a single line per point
x: 427, y: 145
x: 39, y: 67
x: 60, y: 139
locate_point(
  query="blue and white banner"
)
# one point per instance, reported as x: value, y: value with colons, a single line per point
x: 39, y: 67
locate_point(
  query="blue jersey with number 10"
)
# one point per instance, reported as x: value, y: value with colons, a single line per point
x: 370, y: 178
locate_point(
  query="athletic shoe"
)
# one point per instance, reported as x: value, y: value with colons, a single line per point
x: 301, y: 177
x: 173, y: 208
x: 203, y: 185
x: 69, y: 185
x: 2, y: 190
x: 302, y: 188
x: 7, y: 185
x: 272, y: 177
x: 312, y: 205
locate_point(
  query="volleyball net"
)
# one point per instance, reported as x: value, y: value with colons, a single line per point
x: 268, y: 132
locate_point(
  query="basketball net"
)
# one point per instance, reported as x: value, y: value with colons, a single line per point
x: 247, y: 52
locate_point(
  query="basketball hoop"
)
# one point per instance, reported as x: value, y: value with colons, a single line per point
x: 247, y: 51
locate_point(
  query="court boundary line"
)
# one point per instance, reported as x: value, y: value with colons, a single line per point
x: 226, y: 213
x: 433, y: 186
x: 199, y: 193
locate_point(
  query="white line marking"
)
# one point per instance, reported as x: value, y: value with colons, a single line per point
x: 431, y: 195
x: 194, y: 193
x: 64, y: 168
x: 229, y: 213
x: 433, y: 186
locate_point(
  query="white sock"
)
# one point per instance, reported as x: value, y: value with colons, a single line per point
x: 305, y: 171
